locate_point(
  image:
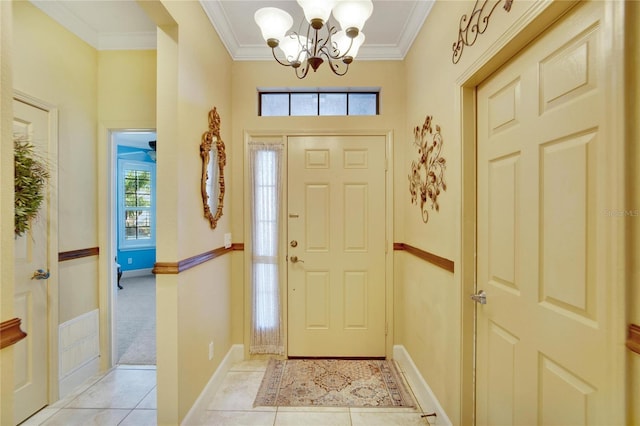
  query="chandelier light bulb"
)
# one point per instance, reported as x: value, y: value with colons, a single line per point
x: 291, y: 46
x: 342, y: 43
x: 345, y: 47
x: 352, y: 14
x: 317, y: 12
x: 273, y: 22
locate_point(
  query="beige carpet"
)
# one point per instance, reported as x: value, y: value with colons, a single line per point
x: 333, y: 383
x: 136, y: 320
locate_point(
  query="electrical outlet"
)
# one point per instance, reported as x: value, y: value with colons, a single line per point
x: 129, y: 260
x: 210, y: 351
x: 227, y: 240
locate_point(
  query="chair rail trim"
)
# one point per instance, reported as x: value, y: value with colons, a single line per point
x: 78, y: 254
x: 10, y: 332
x: 633, y: 342
x: 434, y: 259
x: 170, y: 268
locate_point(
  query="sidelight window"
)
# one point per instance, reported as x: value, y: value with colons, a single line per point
x: 265, y: 162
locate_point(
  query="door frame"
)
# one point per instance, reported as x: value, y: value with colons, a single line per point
x: 282, y: 136
x: 53, y: 381
x: 537, y: 19
x: 107, y: 217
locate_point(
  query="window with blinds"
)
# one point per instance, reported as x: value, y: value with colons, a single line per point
x: 137, y: 204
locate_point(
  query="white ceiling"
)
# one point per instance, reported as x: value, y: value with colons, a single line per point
x: 122, y: 24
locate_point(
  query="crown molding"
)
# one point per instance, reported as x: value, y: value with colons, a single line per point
x: 105, y: 41
x: 414, y: 24
x: 59, y: 13
x: 220, y: 21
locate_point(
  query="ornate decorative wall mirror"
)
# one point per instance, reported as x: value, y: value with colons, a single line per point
x: 214, y: 159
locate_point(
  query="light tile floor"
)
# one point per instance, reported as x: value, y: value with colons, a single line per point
x: 126, y: 396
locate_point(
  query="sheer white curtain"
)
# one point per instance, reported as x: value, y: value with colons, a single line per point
x: 265, y: 162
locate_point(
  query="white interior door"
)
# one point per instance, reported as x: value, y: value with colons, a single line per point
x: 31, y: 301
x: 543, y: 355
x: 336, y: 247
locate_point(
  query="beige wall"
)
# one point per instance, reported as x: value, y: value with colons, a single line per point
x: 55, y: 66
x: 193, y: 307
x: 633, y: 192
x: 127, y: 88
x: 195, y: 73
x: 434, y: 303
x: 126, y: 100
x: 6, y: 208
x: 248, y: 77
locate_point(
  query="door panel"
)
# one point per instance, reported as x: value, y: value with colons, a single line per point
x: 336, y: 209
x: 543, y: 334
x: 31, y: 254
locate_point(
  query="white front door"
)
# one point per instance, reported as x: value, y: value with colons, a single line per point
x: 31, y: 301
x: 544, y: 334
x: 336, y: 247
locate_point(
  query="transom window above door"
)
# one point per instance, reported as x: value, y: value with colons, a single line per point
x: 280, y: 103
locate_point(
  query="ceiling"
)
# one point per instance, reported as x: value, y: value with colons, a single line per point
x: 122, y: 24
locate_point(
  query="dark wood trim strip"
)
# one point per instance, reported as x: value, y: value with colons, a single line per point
x: 237, y: 247
x: 426, y: 256
x: 183, y: 265
x: 10, y: 332
x: 78, y: 254
x: 633, y: 342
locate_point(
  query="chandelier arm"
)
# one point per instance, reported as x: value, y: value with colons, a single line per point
x: 346, y: 52
x: 335, y: 68
x: 286, y: 64
x: 304, y: 48
x: 331, y: 31
x: 301, y: 72
x: 333, y: 46
x: 311, y: 41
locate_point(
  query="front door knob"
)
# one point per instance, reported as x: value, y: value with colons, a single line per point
x: 294, y: 259
x: 480, y: 297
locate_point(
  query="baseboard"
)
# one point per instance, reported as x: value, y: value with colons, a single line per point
x: 137, y: 273
x: 79, y: 376
x: 235, y: 354
x: 423, y: 393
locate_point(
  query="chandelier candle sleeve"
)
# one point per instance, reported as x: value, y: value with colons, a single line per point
x: 348, y: 45
x: 291, y: 47
x: 324, y: 41
x: 317, y: 10
x: 273, y: 22
x: 352, y: 14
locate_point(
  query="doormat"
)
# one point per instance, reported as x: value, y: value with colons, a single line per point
x: 333, y: 383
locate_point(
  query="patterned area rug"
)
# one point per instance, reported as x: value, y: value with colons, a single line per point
x: 333, y: 383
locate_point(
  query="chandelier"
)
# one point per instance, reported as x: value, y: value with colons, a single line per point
x: 322, y: 39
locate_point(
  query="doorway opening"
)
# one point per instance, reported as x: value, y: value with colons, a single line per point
x: 133, y: 178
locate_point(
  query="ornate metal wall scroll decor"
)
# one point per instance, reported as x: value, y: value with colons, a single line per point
x: 214, y: 159
x: 474, y: 25
x: 427, y: 174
